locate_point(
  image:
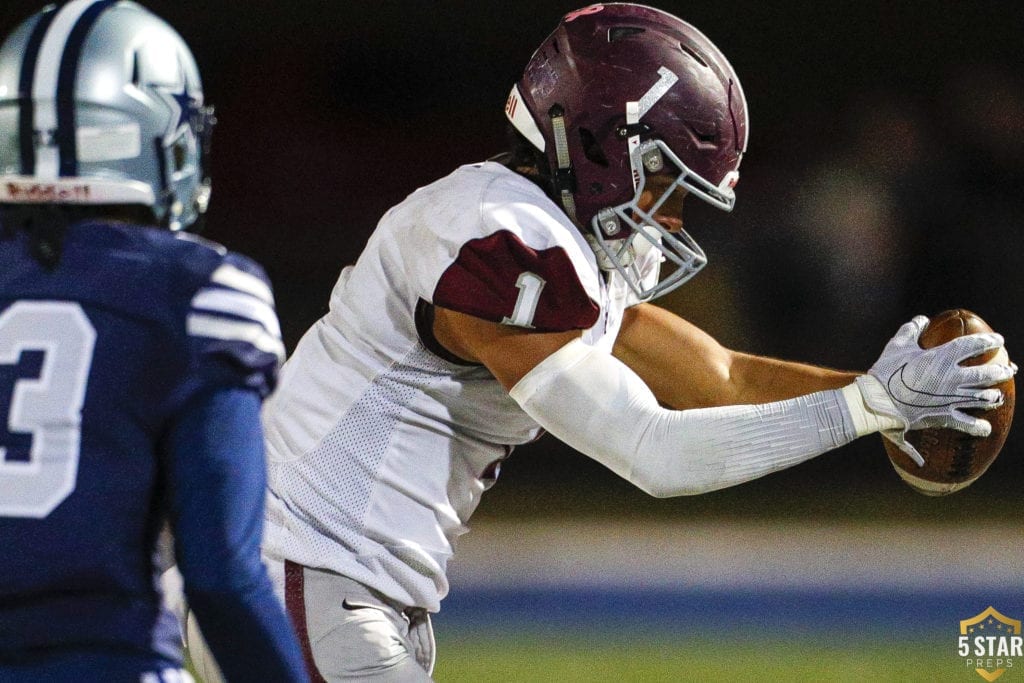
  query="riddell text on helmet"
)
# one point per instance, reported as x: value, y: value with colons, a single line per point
x: 46, y: 192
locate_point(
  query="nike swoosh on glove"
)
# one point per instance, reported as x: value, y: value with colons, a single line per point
x: 928, y: 388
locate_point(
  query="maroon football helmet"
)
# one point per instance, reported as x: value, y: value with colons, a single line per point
x: 620, y: 91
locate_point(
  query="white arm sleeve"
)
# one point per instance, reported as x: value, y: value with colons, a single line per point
x: 599, y: 406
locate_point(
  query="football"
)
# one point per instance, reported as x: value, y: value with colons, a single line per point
x: 953, y: 459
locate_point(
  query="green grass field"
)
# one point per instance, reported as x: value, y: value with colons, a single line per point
x: 463, y: 658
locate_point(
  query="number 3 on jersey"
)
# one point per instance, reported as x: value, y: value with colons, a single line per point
x: 41, y: 407
x: 530, y: 286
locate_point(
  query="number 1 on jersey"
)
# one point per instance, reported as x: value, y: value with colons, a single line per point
x: 530, y: 286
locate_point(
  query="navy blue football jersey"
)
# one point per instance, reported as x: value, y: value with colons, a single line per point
x: 99, y: 360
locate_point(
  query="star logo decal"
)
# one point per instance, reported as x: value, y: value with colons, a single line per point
x: 186, y: 106
x: 181, y: 102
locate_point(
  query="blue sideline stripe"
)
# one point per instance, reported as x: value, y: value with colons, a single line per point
x: 779, y: 612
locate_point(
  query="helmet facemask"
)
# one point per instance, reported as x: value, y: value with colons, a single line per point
x: 186, y: 162
x: 622, y: 233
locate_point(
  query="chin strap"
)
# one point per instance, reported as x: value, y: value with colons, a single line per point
x: 565, y: 178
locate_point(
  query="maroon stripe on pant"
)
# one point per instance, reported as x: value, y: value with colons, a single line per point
x: 294, y: 600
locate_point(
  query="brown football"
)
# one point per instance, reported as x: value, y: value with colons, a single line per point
x: 954, y: 460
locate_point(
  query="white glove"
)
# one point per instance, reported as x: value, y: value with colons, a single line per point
x: 928, y: 388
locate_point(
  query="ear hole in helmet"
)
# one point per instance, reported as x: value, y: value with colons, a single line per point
x: 620, y: 32
x: 592, y: 148
x: 708, y: 135
x: 179, y: 153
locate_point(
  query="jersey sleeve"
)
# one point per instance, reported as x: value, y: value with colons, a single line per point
x: 232, y: 328
x: 524, y: 266
x: 216, y: 479
x: 500, y: 278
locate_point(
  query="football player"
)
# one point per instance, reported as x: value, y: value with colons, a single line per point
x: 133, y: 362
x: 514, y: 297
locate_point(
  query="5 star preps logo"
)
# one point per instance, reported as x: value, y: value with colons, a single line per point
x: 989, y: 642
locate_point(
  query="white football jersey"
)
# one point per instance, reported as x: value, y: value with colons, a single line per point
x: 380, y: 443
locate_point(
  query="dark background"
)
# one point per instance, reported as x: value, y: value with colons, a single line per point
x: 883, y: 179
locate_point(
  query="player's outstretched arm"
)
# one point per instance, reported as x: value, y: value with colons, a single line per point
x: 687, y: 368
x: 600, y: 406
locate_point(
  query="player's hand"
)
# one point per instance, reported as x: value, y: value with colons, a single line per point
x: 928, y: 388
